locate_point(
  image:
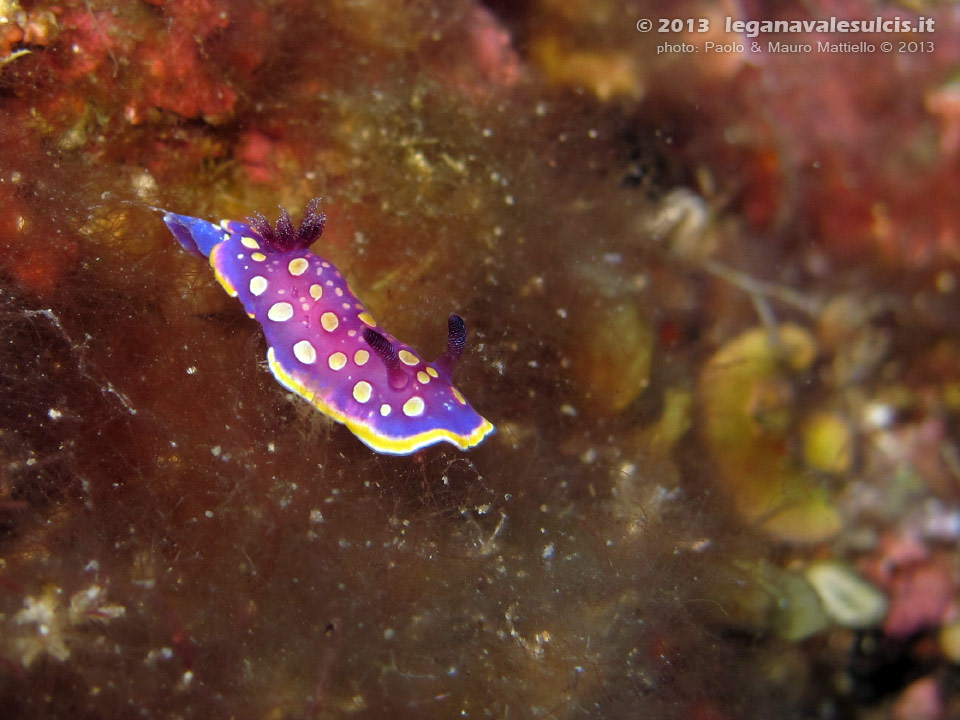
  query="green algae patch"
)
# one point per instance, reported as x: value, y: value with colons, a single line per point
x: 614, y: 365
x: 747, y: 393
x: 827, y: 443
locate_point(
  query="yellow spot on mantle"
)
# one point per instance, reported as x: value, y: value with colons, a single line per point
x: 305, y: 352
x: 280, y: 312
x: 329, y: 321
x: 337, y: 361
x: 362, y: 391
x: 414, y: 407
x: 298, y: 266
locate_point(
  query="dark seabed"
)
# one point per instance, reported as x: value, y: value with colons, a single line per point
x: 711, y: 297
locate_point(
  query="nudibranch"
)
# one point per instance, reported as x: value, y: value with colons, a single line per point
x: 323, y: 345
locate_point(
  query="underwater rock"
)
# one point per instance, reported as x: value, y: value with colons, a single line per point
x: 607, y: 75
x: 266, y: 565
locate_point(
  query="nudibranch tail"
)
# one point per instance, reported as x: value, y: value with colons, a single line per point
x: 321, y: 340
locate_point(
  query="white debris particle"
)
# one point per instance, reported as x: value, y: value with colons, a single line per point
x: 316, y: 517
x: 216, y: 450
x: 192, y: 370
x: 389, y: 634
x: 145, y: 185
x: 54, y: 414
x: 89, y: 605
x: 698, y: 545
x: 41, y: 612
x: 153, y: 655
x: 877, y: 415
x: 548, y: 551
x: 208, y: 514
x: 52, y: 625
x: 562, y: 313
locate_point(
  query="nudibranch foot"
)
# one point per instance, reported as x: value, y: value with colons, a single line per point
x: 321, y: 340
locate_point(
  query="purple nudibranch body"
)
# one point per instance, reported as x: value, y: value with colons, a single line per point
x: 325, y: 346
